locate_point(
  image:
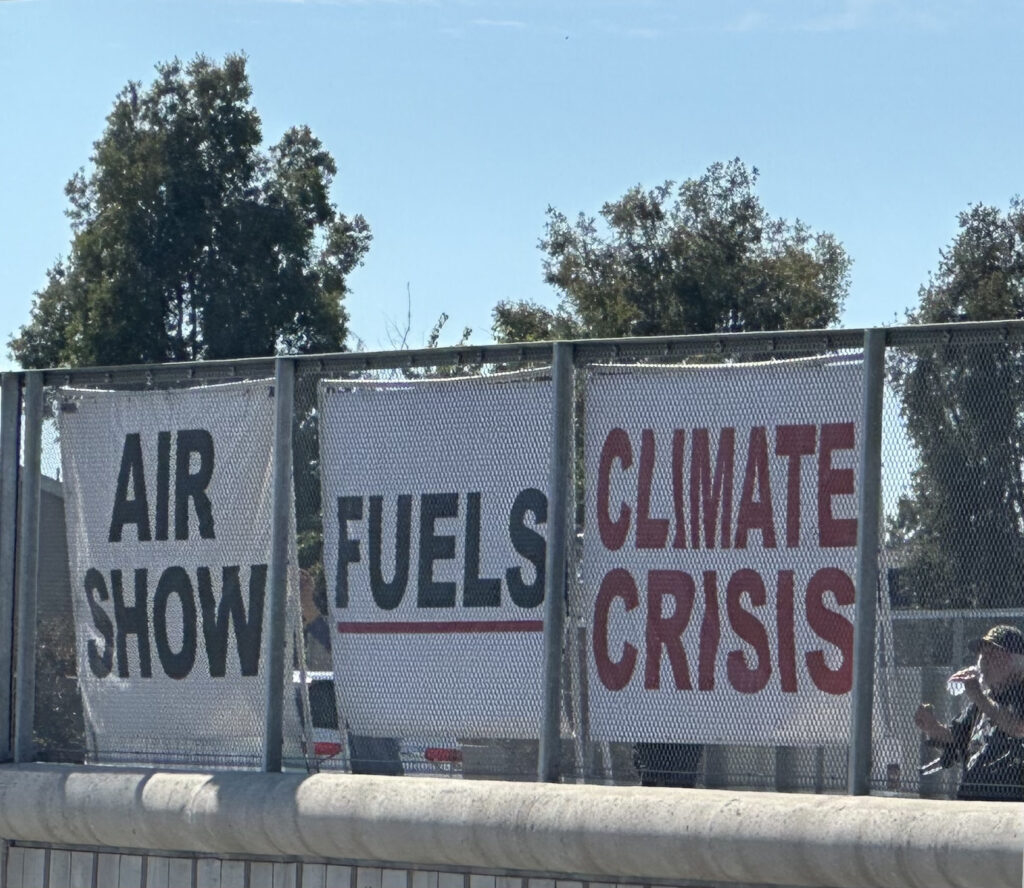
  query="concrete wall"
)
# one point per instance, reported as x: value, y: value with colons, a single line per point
x: 31, y: 867
x: 424, y: 833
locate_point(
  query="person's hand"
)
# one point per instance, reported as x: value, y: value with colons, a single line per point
x: 926, y: 721
x: 971, y: 678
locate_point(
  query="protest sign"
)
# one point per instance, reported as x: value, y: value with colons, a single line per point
x: 720, y: 551
x: 168, y: 511
x: 435, y: 512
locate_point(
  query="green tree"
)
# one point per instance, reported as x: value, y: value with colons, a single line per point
x: 700, y: 257
x: 191, y: 242
x: 958, y: 536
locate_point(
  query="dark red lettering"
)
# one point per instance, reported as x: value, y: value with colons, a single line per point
x: 756, y: 514
x: 794, y: 441
x: 667, y: 631
x: 614, y: 674
x: 710, y: 632
x: 616, y: 447
x: 831, y: 627
x: 710, y: 494
x: 834, y: 532
x: 785, y: 629
x: 651, y: 533
x: 747, y: 626
x: 678, y: 488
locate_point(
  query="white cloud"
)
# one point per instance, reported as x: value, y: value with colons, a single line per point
x: 852, y: 15
x: 836, y: 15
x: 499, y: 23
x: 355, y: 2
x: 644, y: 33
x: 749, y: 21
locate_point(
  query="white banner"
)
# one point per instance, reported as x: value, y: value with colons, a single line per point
x: 168, y: 508
x: 720, y: 551
x: 435, y: 516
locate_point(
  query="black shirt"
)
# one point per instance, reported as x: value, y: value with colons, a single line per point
x: 992, y: 761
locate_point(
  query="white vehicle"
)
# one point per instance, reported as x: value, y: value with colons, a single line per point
x: 323, y: 734
x: 334, y: 750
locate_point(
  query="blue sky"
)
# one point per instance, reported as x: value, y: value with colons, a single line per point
x: 455, y: 123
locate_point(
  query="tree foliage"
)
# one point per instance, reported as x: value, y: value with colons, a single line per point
x: 958, y: 536
x: 700, y: 257
x: 190, y: 241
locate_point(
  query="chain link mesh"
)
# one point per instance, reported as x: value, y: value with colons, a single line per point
x: 441, y: 663
x: 952, y: 562
x: 684, y: 582
x: 135, y: 446
x: 951, y: 566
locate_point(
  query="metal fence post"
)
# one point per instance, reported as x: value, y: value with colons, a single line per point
x: 284, y: 394
x: 559, y: 481
x: 868, y: 512
x: 10, y: 420
x: 28, y: 570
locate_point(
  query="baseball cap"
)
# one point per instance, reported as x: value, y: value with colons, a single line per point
x: 1008, y: 638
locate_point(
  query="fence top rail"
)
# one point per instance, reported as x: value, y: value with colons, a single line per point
x: 778, y: 342
x: 974, y: 613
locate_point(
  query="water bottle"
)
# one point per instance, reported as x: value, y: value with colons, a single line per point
x: 955, y: 686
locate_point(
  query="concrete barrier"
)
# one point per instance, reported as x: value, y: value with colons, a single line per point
x: 609, y: 834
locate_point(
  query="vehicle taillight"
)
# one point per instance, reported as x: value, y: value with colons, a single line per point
x: 438, y: 754
x: 326, y: 750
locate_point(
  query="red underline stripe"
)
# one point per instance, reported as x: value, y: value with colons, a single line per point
x: 441, y: 627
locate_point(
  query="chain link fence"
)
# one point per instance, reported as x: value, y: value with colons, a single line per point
x: 951, y: 560
x: 747, y: 711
